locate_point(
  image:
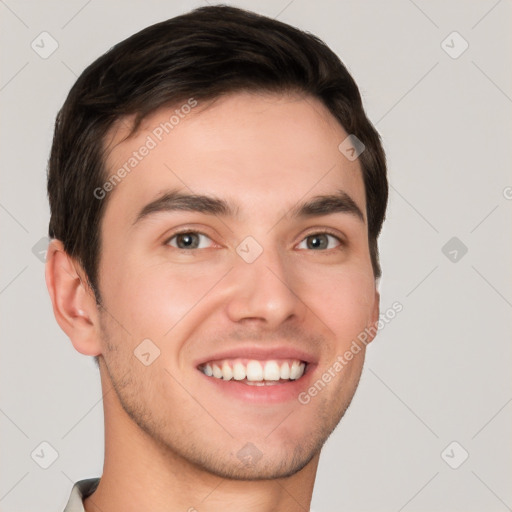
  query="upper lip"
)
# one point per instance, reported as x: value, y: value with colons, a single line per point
x: 259, y: 353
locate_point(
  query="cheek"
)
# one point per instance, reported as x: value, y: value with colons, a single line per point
x: 152, y: 299
x: 343, y: 298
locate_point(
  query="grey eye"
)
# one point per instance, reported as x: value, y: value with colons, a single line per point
x: 189, y: 240
x: 319, y: 241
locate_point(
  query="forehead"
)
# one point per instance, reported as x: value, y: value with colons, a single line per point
x: 260, y: 152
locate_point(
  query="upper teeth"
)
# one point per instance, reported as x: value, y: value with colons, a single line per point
x: 253, y: 370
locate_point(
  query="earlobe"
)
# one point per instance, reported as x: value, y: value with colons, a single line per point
x: 74, y: 305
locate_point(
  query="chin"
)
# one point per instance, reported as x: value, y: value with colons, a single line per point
x: 258, y: 466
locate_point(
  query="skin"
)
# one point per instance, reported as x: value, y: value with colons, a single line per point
x: 172, y: 438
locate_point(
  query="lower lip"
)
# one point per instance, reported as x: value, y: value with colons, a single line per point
x: 266, y: 394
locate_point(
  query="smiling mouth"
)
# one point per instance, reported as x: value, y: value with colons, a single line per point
x: 254, y: 372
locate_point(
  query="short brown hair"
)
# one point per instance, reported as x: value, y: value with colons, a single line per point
x: 204, y: 54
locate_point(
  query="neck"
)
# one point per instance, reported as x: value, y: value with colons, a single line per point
x: 141, y: 474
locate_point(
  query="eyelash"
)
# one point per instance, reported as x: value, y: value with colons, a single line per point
x: 341, y: 242
x: 185, y: 232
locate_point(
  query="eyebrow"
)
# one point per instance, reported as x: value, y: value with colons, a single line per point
x: 176, y: 201
x: 340, y: 202
x: 173, y: 200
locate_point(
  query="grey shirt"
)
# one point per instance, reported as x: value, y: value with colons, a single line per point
x: 81, y: 490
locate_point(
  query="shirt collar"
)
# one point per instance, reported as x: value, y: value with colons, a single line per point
x: 81, y: 490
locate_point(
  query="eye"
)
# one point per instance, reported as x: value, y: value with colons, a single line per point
x: 190, y: 240
x: 320, y: 241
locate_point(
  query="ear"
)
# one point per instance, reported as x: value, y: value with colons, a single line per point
x: 374, y: 317
x: 74, y: 304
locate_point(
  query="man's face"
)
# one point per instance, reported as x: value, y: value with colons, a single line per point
x: 255, y: 267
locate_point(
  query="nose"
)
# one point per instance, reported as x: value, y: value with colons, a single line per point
x: 264, y: 292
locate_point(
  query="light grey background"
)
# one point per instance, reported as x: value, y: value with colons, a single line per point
x: 438, y: 373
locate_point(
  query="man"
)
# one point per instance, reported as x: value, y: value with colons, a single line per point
x: 216, y: 196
